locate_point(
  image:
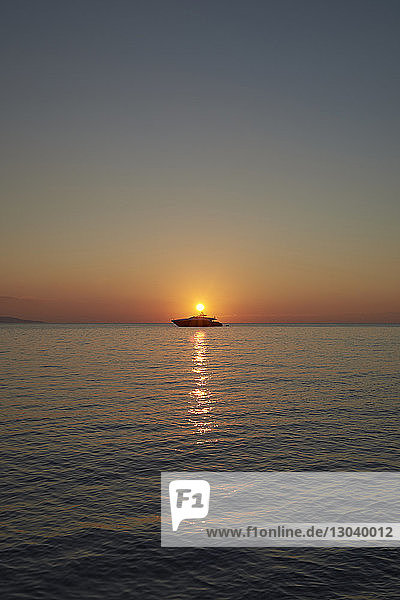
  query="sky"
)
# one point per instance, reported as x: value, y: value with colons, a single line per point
x: 158, y: 154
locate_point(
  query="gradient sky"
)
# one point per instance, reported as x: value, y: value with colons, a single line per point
x: 156, y: 154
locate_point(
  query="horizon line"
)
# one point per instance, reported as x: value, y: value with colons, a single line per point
x: 20, y: 321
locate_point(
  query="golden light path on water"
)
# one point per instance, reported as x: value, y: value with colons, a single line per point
x: 201, y: 405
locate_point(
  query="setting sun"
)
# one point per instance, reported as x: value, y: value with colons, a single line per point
x: 200, y: 307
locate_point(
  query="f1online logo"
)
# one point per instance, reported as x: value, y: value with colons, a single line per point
x: 189, y: 499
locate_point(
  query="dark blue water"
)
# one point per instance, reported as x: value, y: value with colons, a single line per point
x: 92, y: 414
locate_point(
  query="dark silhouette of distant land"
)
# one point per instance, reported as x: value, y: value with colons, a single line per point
x: 15, y: 320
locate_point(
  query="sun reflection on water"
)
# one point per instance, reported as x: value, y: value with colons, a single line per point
x: 202, y: 402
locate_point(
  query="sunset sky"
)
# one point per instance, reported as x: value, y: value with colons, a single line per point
x: 157, y: 154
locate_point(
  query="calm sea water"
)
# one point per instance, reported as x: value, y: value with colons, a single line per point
x: 92, y: 414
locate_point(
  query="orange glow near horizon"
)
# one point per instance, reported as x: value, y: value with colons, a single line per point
x: 260, y: 279
x: 291, y: 301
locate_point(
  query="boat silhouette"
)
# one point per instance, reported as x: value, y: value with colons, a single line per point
x: 200, y: 320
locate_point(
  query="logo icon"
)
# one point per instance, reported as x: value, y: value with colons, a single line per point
x: 189, y: 499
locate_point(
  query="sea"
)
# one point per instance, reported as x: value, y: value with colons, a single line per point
x: 92, y: 414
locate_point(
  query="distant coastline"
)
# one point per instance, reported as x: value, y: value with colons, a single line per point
x: 16, y: 320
